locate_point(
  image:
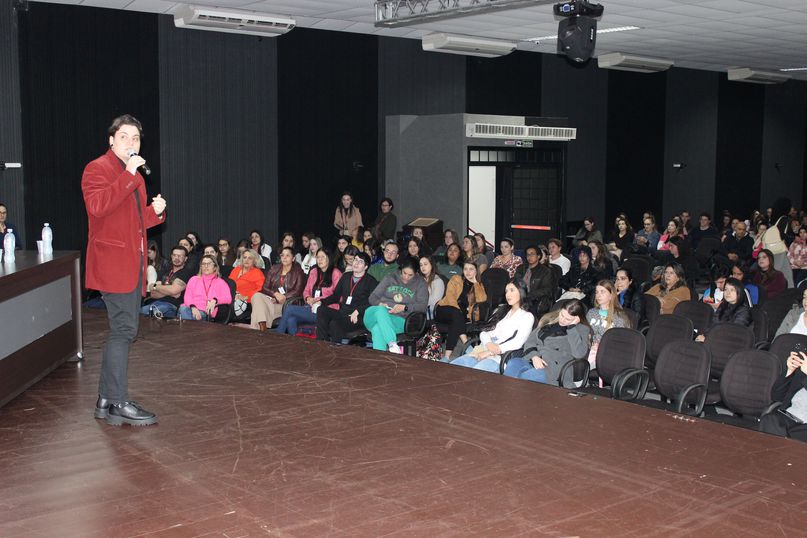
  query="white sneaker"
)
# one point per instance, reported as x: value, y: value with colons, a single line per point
x: 395, y: 348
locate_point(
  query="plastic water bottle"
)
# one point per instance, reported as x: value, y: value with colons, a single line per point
x: 9, y: 244
x: 47, y: 239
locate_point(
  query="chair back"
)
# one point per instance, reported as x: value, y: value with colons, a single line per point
x: 745, y: 387
x: 699, y: 313
x: 415, y: 324
x: 557, y: 273
x: 666, y: 328
x: 619, y: 349
x: 639, y: 268
x: 633, y: 317
x: 652, y: 308
x: 707, y: 247
x: 784, y: 344
x: 680, y: 364
x: 759, y: 319
x: 724, y: 340
x: 777, y: 307
x: 495, y: 280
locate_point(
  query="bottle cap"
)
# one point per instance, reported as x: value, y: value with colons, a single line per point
x: 47, y: 224
x: 9, y: 230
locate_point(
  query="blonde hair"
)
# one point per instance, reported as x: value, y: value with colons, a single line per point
x: 212, y: 259
x: 255, y: 256
x: 614, y: 308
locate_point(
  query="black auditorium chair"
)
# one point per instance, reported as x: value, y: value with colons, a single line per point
x: 494, y: 280
x: 759, y: 324
x: 224, y: 312
x: 681, y: 377
x: 745, y: 388
x: 777, y: 307
x: 633, y: 317
x: 723, y: 341
x: 414, y: 327
x: 666, y: 328
x: 699, y: 313
x: 640, y: 267
x: 786, y: 343
x: 620, y: 365
x: 652, y: 308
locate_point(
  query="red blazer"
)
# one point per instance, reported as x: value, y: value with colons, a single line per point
x: 117, y: 236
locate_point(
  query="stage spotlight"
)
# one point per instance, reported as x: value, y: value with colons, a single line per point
x: 577, y: 30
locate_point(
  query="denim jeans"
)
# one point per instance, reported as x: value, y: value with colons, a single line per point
x: 293, y: 315
x: 185, y: 312
x: 523, y: 369
x: 166, y: 309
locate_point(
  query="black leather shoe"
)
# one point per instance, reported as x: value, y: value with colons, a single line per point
x: 129, y: 413
x: 101, y: 408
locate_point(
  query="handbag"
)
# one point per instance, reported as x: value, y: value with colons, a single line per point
x: 429, y: 346
x: 772, y: 239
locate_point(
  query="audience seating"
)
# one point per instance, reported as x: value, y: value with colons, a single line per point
x: 682, y: 376
x: 620, y: 365
x: 784, y: 344
x: 723, y: 341
x: 700, y: 314
x: 652, y: 308
x: 666, y: 328
x: 745, y: 388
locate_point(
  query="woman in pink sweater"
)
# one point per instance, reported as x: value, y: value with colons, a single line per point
x: 205, y: 292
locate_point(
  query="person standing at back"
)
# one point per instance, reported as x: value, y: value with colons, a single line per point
x: 118, y: 216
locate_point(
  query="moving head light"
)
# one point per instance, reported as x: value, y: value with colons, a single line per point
x: 577, y: 30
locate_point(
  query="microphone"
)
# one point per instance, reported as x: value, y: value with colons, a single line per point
x: 143, y: 167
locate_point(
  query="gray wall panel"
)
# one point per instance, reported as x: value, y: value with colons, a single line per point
x: 783, y: 142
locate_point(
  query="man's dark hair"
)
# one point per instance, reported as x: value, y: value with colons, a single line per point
x: 556, y: 241
x: 125, y: 119
x: 179, y: 247
x: 707, y: 215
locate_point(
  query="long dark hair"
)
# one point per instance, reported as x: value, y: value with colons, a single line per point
x: 327, y: 274
x: 771, y: 272
x: 726, y: 311
x: 502, y: 310
x: 679, y: 272
x: 433, y: 274
x: 158, y: 258
x: 349, y: 210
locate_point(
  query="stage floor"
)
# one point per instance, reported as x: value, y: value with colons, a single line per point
x: 266, y: 435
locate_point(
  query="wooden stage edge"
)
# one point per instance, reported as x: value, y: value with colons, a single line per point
x: 268, y: 435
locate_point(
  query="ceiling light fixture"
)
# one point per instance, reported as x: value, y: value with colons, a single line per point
x: 744, y: 74
x: 394, y: 13
x: 789, y: 69
x: 537, y: 40
x: 630, y: 62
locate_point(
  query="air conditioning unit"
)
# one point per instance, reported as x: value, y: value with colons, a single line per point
x: 628, y: 62
x: 467, y: 45
x: 521, y: 132
x: 232, y: 21
x: 744, y: 74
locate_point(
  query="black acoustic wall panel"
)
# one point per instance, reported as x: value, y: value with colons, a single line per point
x: 739, y: 146
x: 218, y: 117
x: 78, y: 73
x: 636, y: 116
x: 11, y: 180
x: 509, y: 85
x: 328, y: 126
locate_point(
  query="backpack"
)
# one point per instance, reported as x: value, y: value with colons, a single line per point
x: 430, y: 345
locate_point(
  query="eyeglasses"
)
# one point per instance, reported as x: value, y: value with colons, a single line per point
x: 207, y: 263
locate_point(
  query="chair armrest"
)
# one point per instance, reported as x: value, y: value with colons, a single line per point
x: 763, y: 345
x: 682, y: 397
x: 415, y: 324
x: 506, y: 357
x: 770, y: 409
x: 571, y: 364
x: 620, y: 382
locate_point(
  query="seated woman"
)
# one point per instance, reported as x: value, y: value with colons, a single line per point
x: 396, y: 296
x: 484, y: 248
x: 452, y: 264
x: 225, y: 256
x: 372, y: 250
x: 507, y: 260
x: 797, y: 255
x: 459, y: 304
x: 791, y: 389
x: 539, y: 280
x: 713, y: 295
x: 602, y: 261
x: 739, y: 272
x: 513, y: 326
x: 347, y: 258
x: 561, y: 336
x: 321, y: 283
x: 437, y: 287
x: 621, y: 240
x: 362, y: 235
x: 795, y: 321
x: 249, y: 278
x: 414, y: 248
x: 767, y: 276
x: 581, y: 279
x: 450, y: 237
x: 157, y: 265
x: 259, y: 245
x: 347, y: 303
x: 673, y: 230
x: 240, y: 248
x: 606, y: 314
x: 283, y: 281
x: 672, y: 289
x: 310, y: 258
x: 733, y: 309
x: 628, y: 293
x: 587, y: 233
x: 470, y: 252
x: 342, y: 242
x: 286, y: 240
x: 386, y: 223
x: 205, y: 292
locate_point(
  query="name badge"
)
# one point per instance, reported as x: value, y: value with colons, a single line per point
x: 282, y: 290
x: 349, y: 299
x: 317, y: 293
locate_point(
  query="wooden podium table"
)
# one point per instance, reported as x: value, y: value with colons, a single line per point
x: 40, y: 317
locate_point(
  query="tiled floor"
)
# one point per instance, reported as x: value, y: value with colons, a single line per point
x: 265, y: 435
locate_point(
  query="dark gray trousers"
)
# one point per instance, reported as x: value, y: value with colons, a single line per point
x: 123, y: 311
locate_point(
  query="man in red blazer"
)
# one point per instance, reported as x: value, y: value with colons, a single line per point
x: 115, y: 198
